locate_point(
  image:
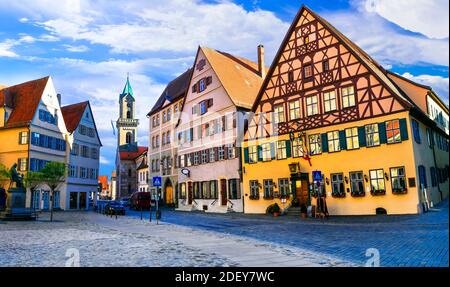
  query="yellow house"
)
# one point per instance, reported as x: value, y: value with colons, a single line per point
x: 376, y: 142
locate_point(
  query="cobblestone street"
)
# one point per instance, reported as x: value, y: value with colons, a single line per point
x: 198, y: 239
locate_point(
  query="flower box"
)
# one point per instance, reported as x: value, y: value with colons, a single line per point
x: 338, y: 194
x: 358, y: 194
x: 254, y: 197
x: 399, y: 191
x: 377, y: 192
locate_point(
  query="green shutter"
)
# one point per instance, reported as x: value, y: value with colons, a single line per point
x: 288, y: 149
x: 362, y: 136
x: 403, y: 129
x: 260, y: 157
x: 342, y: 140
x: 382, y: 132
x: 324, y: 143
x: 272, y: 151
x: 246, y: 157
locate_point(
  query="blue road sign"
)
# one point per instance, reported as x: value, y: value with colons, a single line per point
x: 157, y: 180
x: 317, y: 175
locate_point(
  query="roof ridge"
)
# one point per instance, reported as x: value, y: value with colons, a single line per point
x: 25, y: 83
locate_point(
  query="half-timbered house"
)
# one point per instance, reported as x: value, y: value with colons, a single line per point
x: 379, y: 141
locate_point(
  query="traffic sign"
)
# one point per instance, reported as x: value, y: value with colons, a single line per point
x: 317, y: 175
x: 157, y: 180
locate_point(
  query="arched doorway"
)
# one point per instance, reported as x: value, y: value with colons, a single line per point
x: 168, y: 192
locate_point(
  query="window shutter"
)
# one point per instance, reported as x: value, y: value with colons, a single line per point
x: 191, y: 132
x: 324, y: 142
x: 403, y: 129
x: 194, y: 88
x: 225, y: 152
x: 210, y: 103
x: 246, y: 157
x: 382, y: 132
x: 362, y: 136
x: 234, y: 121
x: 224, y: 123
x: 208, y: 80
x: 260, y: 156
x: 272, y: 151
x: 342, y: 140
x: 288, y: 148
x: 20, y: 137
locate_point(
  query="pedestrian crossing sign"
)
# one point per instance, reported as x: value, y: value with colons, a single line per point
x: 157, y: 180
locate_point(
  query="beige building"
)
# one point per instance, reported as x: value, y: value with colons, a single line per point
x: 221, y: 86
x: 162, y: 150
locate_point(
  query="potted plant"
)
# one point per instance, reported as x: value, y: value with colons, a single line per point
x: 303, y: 210
x: 276, y: 210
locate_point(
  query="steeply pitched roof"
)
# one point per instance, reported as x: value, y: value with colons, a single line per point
x: 377, y: 70
x: 72, y: 115
x: 174, y: 90
x: 24, y: 99
x: 239, y: 76
x: 131, y: 155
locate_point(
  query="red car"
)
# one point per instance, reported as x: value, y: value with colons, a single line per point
x: 140, y: 200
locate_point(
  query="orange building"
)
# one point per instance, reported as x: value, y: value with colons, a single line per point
x: 378, y: 142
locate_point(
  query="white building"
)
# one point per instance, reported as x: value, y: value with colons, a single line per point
x: 83, y: 155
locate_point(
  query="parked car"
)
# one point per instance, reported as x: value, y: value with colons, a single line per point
x: 114, y: 207
x: 125, y: 201
x: 140, y: 200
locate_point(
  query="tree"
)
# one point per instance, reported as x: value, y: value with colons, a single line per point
x: 31, y: 180
x: 53, y: 175
x: 5, y: 176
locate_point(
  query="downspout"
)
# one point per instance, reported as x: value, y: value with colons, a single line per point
x: 435, y: 165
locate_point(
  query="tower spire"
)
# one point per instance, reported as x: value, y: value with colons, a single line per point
x: 127, y: 90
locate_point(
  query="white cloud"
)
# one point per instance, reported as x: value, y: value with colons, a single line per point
x: 386, y: 44
x: 76, y: 49
x: 103, y: 160
x: 439, y: 84
x: 428, y: 17
x: 6, y: 49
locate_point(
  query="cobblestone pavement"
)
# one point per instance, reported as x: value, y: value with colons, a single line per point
x: 408, y: 240
x: 201, y: 239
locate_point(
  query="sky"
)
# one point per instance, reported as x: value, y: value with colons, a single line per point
x: 88, y: 47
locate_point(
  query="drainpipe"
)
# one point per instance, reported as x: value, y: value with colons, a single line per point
x: 435, y: 165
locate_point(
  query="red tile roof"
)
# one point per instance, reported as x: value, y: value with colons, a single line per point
x: 72, y: 115
x: 24, y: 99
x: 131, y: 155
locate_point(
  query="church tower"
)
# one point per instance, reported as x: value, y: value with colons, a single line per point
x: 127, y: 124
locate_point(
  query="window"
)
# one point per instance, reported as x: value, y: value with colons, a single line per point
x: 204, y: 156
x: 326, y: 65
x: 422, y: 177
x: 283, y: 185
x: 268, y: 189
x: 168, y: 114
x: 168, y: 137
x: 23, y: 138
x: 128, y: 137
x: 398, y: 179
x: 352, y: 139
x: 253, y: 154
x: 91, y: 132
x: 203, y: 107
x: 234, y: 190
x: 294, y: 110
x: 72, y: 171
x: 377, y: 181
x: 305, y: 39
x: 357, y: 183
x: 278, y: 114
x: 307, y: 71
x: 266, y: 152
x: 94, y: 153
x: 372, y: 135
x: 196, y: 158
x: 416, y: 131
x: 290, y: 76
x: 315, y: 144
x: 393, y: 131
x: 297, y: 147
x: 23, y: 164
x: 83, y: 172
x: 348, y: 97
x: 213, y: 189
x: 84, y: 151
x: 429, y: 137
x: 46, y: 116
x: 205, y: 190
x: 433, y: 176
x: 254, y: 189
x: 231, y: 152
x: 333, y: 141
x: 281, y: 150
x: 329, y: 101
x: 212, y: 155
x: 183, y: 190
x: 337, y: 185
x: 202, y: 85
x: 312, y: 105
x: 196, y: 190
x: 221, y: 152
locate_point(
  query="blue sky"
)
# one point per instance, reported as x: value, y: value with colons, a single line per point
x: 88, y: 47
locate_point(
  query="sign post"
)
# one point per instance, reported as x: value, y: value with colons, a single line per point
x: 317, y: 178
x: 157, y: 182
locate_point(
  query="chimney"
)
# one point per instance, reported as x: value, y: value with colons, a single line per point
x: 261, y: 65
x: 59, y: 99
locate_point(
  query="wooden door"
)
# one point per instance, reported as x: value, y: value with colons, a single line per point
x: 301, y: 191
x: 169, y: 195
x: 223, y: 192
x: 189, y: 192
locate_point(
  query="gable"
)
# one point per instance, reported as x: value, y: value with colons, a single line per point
x: 315, y: 58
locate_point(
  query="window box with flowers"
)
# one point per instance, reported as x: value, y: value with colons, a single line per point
x: 314, y: 192
x: 268, y: 197
x: 358, y: 193
x: 399, y: 191
x: 338, y: 193
x: 254, y: 196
